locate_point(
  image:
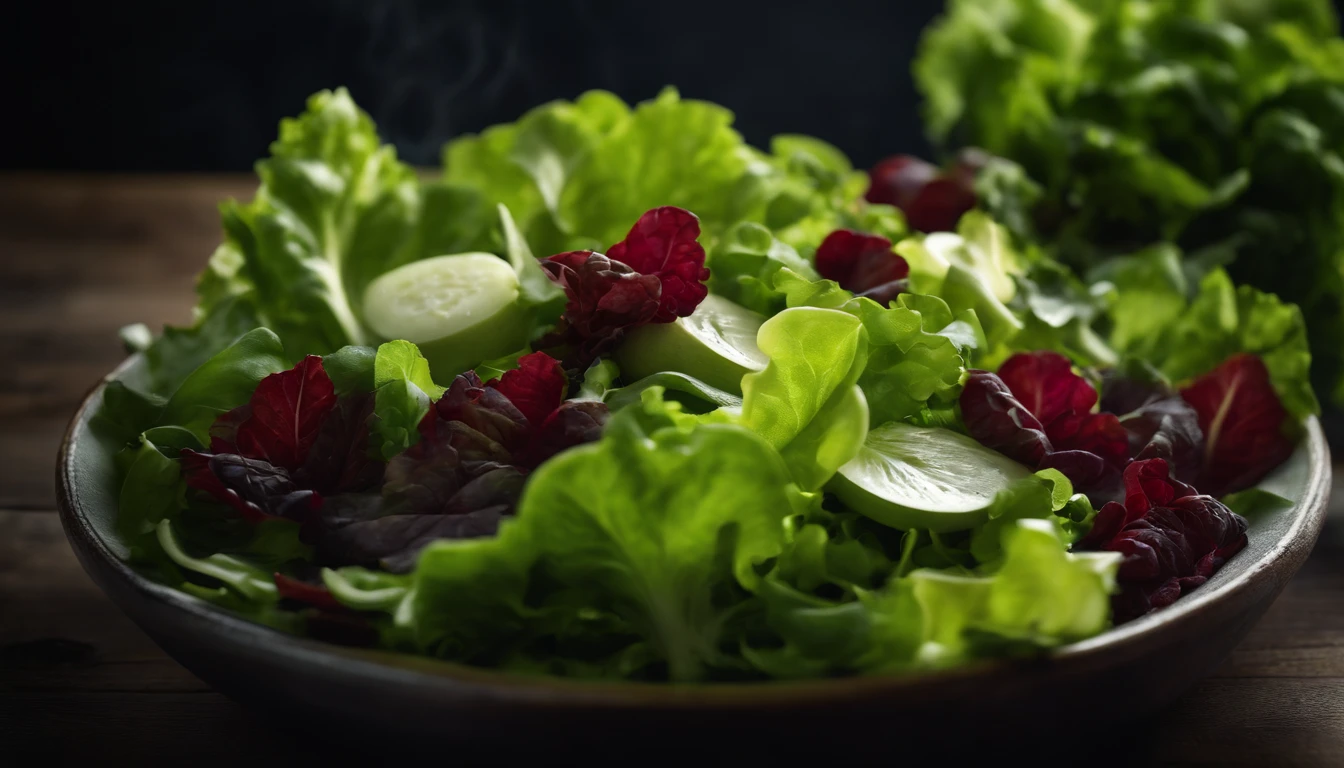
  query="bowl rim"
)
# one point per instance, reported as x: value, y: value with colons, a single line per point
x: 436, y: 677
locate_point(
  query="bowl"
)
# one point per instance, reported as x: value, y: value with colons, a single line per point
x: 379, y: 701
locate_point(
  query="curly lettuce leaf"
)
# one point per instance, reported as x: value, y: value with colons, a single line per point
x: 526, y: 165
x: 814, y: 191
x: 1037, y: 596
x: 744, y: 263
x: 672, y: 523
x: 671, y: 151
x: 917, y: 349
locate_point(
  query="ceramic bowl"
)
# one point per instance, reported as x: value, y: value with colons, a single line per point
x: 379, y: 700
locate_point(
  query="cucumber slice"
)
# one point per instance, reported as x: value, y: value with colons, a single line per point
x: 924, y: 477
x: 715, y: 344
x: 458, y: 309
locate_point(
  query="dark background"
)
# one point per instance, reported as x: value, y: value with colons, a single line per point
x: 201, y: 86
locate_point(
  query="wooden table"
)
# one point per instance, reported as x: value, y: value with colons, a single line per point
x: 82, y: 256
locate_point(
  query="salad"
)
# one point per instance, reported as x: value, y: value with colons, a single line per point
x: 617, y: 395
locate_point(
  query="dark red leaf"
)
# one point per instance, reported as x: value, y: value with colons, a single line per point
x: 455, y: 483
x: 606, y: 298
x: 860, y: 262
x: 257, y: 489
x: 484, y: 409
x: 427, y: 477
x: 897, y: 180
x: 573, y: 423
x: 1243, y: 423
x: 464, y: 475
x: 1045, y: 383
x: 224, y: 432
x: 340, y: 461
x: 288, y: 409
x: 885, y: 293
x: 1123, y: 391
x: 1172, y: 538
x: 663, y: 243
x: 379, y: 537
x: 1167, y: 429
x: 316, y: 595
x: 1158, y: 423
x: 1096, y: 433
x: 1038, y: 411
x: 998, y: 420
x: 536, y: 387
x: 939, y: 205
x: 1088, y: 472
x: 655, y: 275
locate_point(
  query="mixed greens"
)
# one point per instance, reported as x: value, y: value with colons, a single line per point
x: 753, y: 414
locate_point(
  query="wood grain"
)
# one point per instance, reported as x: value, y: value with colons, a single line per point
x: 82, y: 256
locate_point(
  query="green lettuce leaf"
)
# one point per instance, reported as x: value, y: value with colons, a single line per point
x: 335, y: 209
x: 814, y: 191
x: 670, y: 151
x: 673, y: 520
x: 152, y: 487
x: 1037, y: 596
x: 527, y: 165
x: 805, y: 403
x: 917, y: 350
x: 1047, y: 495
x: 403, y: 393
x: 1203, y: 125
x: 224, y: 382
x: 744, y: 263
x: 351, y: 369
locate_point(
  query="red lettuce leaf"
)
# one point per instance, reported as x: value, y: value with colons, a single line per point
x: 939, y: 205
x: 862, y: 263
x: 1243, y: 423
x: 575, y: 422
x: 1172, y: 538
x: 287, y: 410
x: 1000, y: 421
x: 456, y: 482
x: 224, y: 432
x: 605, y: 299
x: 656, y: 274
x: 1045, y: 383
x: 316, y: 595
x: 1089, y: 448
x: 536, y: 387
x: 370, y: 534
x: 1096, y: 433
x: 663, y: 243
x: 340, y: 460
x: 1089, y: 473
x: 256, y: 489
x: 428, y: 477
x: 483, y: 409
x: 898, y: 180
